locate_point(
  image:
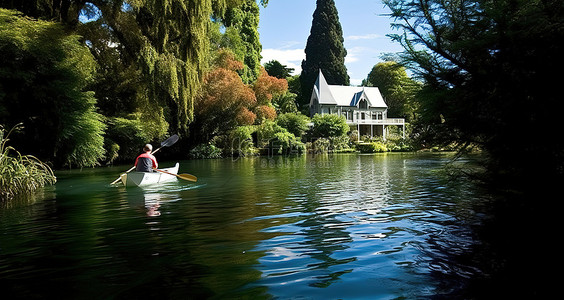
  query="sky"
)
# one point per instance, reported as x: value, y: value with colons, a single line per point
x: 285, y: 26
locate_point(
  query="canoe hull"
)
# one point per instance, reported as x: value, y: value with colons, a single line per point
x: 149, y: 178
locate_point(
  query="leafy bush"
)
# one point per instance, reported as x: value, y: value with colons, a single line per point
x: 277, y: 139
x: 237, y: 142
x: 340, y: 143
x: 205, y: 151
x: 295, y: 123
x: 325, y: 126
x: 373, y: 147
x: 320, y: 146
x: 242, y: 140
x: 285, y: 103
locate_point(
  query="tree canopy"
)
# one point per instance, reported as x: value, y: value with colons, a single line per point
x: 397, y: 88
x: 278, y: 70
x: 44, y: 73
x: 225, y: 101
x: 166, y: 40
x: 244, y: 20
x: 152, y: 56
x: 491, y: 77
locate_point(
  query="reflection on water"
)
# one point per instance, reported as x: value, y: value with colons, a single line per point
x: 323, y: 227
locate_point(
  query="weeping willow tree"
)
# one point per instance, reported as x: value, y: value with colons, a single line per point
x: 168, y: 40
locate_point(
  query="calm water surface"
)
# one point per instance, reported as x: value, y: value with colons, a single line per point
x: 326, y: 227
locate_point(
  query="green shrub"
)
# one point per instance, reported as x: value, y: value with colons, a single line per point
x: 321, y: 145
x: 285, y: 103
x: 373, y: 147
x: 277, y: 139
x: 380, y: 147
x: 340, y: 143
x: 205, y: 151
x: 241, y: 141
x: 295, y: 123
x: 325, y: 126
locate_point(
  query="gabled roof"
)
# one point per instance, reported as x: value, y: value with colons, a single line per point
x: 345, y: 95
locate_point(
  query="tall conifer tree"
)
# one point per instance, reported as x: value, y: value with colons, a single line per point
x: 324, y: 50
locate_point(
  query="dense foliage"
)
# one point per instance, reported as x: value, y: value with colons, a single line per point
x: 398, y: 89
x: 278, y: 70
x: 324, y: 50
x: 44, y: 73
x: 491, y: 72
x: 224, y: 102
x: 165, y: 40
x: 295, y: 123
x: 244, y: 21
x: 152, y: 56
x: 277, y: 140
x: 325, y: 126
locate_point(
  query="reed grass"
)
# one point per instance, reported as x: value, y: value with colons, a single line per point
x: 20, y: 174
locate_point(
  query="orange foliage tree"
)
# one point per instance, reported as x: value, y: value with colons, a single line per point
x: 224, y: 101
x: 265, y: 88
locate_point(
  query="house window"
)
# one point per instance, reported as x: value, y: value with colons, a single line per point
x: 363, y: 104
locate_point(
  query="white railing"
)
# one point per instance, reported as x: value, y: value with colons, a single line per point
x: 389, y: 121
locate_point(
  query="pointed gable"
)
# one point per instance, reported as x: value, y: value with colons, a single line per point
x: 321, y: 91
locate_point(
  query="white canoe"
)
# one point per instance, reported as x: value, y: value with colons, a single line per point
x: 148, y: 178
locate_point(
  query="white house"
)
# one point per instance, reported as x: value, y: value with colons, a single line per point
x: 363, y: 107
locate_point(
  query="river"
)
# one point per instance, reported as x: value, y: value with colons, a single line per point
x: 384, y: 226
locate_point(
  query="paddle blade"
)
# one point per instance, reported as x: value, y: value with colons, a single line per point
x: 170, y: 141
x: 187, y: 177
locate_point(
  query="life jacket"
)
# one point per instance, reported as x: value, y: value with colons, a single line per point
x: 145, y: 163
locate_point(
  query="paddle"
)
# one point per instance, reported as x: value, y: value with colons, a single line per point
x: 167, y: 143
x: 181, y: 176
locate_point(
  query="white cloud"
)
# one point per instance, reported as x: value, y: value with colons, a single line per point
x: 292, y: 58
x: 351, y: 58
x: 355, y: 54
x: 370, y: 36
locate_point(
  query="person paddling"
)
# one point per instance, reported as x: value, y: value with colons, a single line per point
x: 146, y: 161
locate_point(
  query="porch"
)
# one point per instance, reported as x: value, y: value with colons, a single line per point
x: 375, y: 127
